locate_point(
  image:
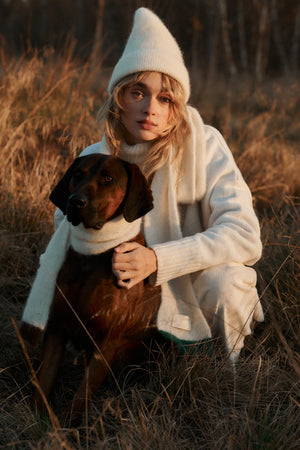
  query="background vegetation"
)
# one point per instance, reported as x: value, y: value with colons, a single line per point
x: 51, y: 88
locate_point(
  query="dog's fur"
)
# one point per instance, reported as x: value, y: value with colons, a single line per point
x: 95, y: 189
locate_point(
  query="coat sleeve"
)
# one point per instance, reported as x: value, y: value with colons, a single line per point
x: 231, y: 231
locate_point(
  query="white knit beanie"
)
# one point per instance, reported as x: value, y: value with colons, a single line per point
x: 151, y: 47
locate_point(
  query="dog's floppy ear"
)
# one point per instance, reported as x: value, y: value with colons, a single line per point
x: 139, y: 199
x: 60, y: 194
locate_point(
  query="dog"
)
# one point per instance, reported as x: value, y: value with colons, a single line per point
x: 89, y: 308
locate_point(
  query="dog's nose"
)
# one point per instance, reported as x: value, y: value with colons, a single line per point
x: 78, y: 200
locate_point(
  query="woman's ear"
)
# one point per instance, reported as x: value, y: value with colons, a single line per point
x: 139, y: 199
x: 60, y: 194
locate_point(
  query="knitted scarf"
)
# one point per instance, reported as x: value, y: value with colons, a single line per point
x: 179, y: 313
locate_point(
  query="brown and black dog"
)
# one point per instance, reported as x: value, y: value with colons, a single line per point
x: 109, y: 321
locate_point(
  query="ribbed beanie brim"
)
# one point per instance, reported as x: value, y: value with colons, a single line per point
x: 151, y: 47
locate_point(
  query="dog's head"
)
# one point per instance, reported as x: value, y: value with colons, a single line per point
x: 97, y: 188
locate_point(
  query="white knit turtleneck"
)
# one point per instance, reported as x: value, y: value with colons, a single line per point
x: 134, y: 153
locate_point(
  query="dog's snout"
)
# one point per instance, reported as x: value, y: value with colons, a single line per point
x: 78, y: 200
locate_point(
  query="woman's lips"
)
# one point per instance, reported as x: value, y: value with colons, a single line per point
x: 147, y: 124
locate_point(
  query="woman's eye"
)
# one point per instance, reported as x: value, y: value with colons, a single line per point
x: 165, y: 99
x: 137, y: 94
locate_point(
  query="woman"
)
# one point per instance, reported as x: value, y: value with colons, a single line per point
x: 202, y: 234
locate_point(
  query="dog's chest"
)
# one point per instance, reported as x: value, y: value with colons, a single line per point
x: 87, y: 281
x: 93, y: 297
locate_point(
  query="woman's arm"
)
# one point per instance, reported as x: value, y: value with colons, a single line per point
x: 232, y: 232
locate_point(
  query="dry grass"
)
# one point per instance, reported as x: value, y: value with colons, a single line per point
x: 48, y: 109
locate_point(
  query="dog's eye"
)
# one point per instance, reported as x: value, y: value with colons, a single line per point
x: 108, y: 179
x: 78, y: 173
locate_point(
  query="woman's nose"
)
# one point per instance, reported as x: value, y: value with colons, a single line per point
x: 150, y: 106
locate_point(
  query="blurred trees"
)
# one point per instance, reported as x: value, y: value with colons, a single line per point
x: 257, y: 37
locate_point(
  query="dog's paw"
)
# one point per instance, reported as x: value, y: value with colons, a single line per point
x: 71, y: 419
x: 30, y: 333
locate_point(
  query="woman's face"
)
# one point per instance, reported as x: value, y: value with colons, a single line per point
x: 146, y: 109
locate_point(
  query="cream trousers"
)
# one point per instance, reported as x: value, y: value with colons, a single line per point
x: 229, y: 301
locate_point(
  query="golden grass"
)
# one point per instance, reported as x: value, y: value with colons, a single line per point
x: 48, y: 109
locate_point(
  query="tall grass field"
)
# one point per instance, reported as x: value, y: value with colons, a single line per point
x: 49, y: 104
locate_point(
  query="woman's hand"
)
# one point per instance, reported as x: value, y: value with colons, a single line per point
x: 133, y: 262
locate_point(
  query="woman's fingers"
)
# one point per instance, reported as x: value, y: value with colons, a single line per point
x: 133, y: 263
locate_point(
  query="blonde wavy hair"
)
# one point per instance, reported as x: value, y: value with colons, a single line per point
x: 173, y: 136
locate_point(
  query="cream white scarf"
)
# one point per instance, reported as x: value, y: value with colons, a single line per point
x: 84, y: 241
x: 179, y: 313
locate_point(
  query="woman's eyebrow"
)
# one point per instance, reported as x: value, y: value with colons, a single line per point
x: 142, y: 85
x: 139, y: 85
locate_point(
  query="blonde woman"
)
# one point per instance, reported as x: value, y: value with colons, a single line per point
x: 202, y: 234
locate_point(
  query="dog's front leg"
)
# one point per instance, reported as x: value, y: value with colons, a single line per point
x: 98, y: 368
x: 51, y: 356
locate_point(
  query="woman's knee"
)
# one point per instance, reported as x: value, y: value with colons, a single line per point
x: 225, y: 279
x: 228, y: 299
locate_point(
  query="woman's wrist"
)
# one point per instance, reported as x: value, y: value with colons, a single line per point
x: 152, y: 261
